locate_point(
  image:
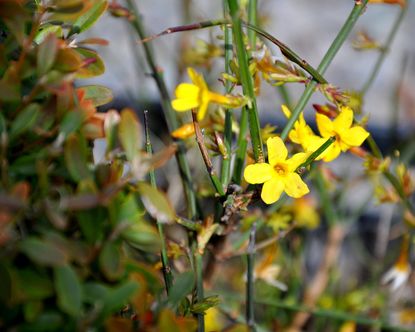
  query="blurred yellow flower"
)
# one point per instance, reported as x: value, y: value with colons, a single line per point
x: 349, y: 326
x: 214, y: 320
x: 301, y: 131
x: 346, y: 135
x: 183, y: 132
x: 278, y: 175
x: 198, y: 95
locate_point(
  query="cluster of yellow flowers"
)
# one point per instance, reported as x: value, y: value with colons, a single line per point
x: 280, y: 173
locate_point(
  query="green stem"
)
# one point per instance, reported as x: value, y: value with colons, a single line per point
x: 199, y: 288
x: 250, y: 280
x: 325, y: 62
x: 168, y: 277
x: 171, y: 117
x: 316, y: 153
x: 247, y: 81
x: 384, y: 50
x: 227, y: 139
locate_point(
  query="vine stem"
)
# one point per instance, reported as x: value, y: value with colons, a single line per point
x: 171, y: 117
x: 324, y: 64
x: 226, y: 160
x: 247, y: 82
x: 168, y: 277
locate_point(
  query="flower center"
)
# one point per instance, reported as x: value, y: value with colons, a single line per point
x: 281, y: 169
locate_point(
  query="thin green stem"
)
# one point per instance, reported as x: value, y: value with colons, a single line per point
x: 199, y: 288
x: 250, y: 280
x: 325, y: 62
x: 171, y: 117
x: 227, y: 139
x: 384, y: 51
x: 247, y: 81
x: 317, y: 153
x: 205, y: 155
x: 168, y: 276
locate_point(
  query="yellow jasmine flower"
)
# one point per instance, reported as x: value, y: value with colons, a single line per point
x: 198, y: 95
x: 346, y: 135
x: 278, y: 175
x: 301, y: 131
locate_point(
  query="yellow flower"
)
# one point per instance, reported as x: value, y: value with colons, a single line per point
x: 183, y: 132
x: 301, y: 131
x: 197, y: 95
x: 278, y: 174
x: 346, y: 135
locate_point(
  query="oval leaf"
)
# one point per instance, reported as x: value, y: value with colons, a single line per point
x: 87, y: 19
x: 97, y: 94
x: 110, y: 261
x: 75, y: 158
x: 182, y: 287
x: 68, y: 290
x: 156, y: 203
x: 47, y: 52
x: 42, y: 252
x: 92, y: 63
x: 129, y: 133
x: 25, y: 120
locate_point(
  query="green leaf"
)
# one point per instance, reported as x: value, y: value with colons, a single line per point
x: 42, y: 252
x: 68, y: 60
x: 118, y: 297
x: 25, y: 120
x: 156, y: 203
x: 75, y: 158
x: 87, y: 19
x: 68, y: 290
x: 31, y: 310
x: 33, y: 285
x: 47, y: 53
x: 111, y: 122
x: 129, y: 134
x: 93, y: 64
x: 97, y: 94
x: 110, y: 261
x: 184, y: 284
x: 143, y: 236
x: 46, y: 31
x: 71, y: 122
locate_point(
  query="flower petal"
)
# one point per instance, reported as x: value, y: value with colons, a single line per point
x: 276, y: 150
x: 258, y: 173
x: 344, y: 120
x: 187, y: 90
x: 354, y: 136
x: 332, y: 152
x: 286, y: 111
x: 294, y: 186
x: 184, y: 104
x: 197, y: 78
x: 202, y: 109
x: 272, y: 190
x: 296, y: 160
x: 324, y: 124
